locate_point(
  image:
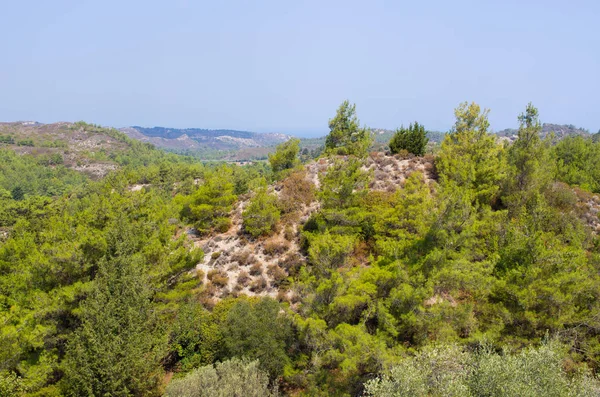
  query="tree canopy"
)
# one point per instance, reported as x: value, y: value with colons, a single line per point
x: 412, y: 139
x: 346, y: 137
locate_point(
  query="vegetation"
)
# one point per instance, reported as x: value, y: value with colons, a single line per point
x: 473, y: 272
x: 262, y: 214
x: 450, y: 371
x: 345, y: 134
x: 412, y: 140
x: 211, y: 203
x: 118, y: 348
x: 233, y: 377
x: 285, y: 156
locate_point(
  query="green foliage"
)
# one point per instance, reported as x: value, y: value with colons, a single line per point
x: 195, y: 336
x: 412, y: 139
x: 345, y: 135
x: 262, y: 214
x: 233, y: 377
x: 285, y: 156
x: 470, y: 157
x: 209, y: 206
x: 578, y: 162
x: 451, y: 371
x: 529, y: 162
x: 9, y: 139
x: 98, y: 291
x: 344, y: 183
x: 118, y: 348
x: 10, y: 385
x: 327, y: 251
x: 257, y: 330
x: 25, y: 176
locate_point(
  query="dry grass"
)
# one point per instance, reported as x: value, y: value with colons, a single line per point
x: 296, y: 190
x: 259, y: 285
x: 292, y: 263
x: 278, y: 275
x: 288, y: 233
x: 243, y: 257
x: 282, y: 296
x: 276, y: 246
x: 256, y: 269
x: 243, y: 278
x: 218, y: 278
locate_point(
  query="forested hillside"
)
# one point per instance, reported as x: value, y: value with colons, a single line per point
x: 209, y: 144
x: 469, y: 267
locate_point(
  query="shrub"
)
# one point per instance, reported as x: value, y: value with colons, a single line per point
x: 292, y: 263
x: 259, y: 285
x: 276, y: 246
x: 262, y: 214
x: 218, y: 277
x: 288, y: 233
x: 451, y: 371
x: 278, y: 275
x: 235, y: 377
x: 243, y: 278
x: 296, y: 190
x: 327, y: 252
x: 282, y: 296
x: 412, y: 139
x: 244, y: 258
x: 285, y: 156
x: 10, y: 385
x: 222, y: 224
x: 256, y: 269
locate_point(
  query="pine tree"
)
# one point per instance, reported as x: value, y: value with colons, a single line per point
x: 210, y: 205
x: 470, y: 157
x: 529, y: 162
x: 118, y: 348
x: 412, y: 139
x: 261, y: 215
x: 345, y: 136
x: 285, y: 156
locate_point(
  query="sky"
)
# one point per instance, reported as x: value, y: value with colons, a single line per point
x: 285, y: 66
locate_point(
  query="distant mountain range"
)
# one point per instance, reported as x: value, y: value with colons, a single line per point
x: 79, y: 143
x: 197, y: 139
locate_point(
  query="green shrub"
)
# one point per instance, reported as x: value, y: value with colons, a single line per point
x: 233, y: 377
x: 452, y: 371
x: 262, y: 214
x: 346, y: 137
x: 285, y: 156
x: 412, y: 139
x: 10, y: 385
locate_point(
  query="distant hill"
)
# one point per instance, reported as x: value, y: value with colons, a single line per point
x: 87, y: 148
x: 560, y: 131
x: 205, y: 140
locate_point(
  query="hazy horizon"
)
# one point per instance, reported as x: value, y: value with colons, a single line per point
x: 271, y: 66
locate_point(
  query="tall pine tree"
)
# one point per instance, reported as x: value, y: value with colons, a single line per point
x: 118, y: 348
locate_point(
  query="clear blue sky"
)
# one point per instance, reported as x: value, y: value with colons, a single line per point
x: 285, y: 66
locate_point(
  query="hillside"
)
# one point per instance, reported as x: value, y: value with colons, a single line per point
x: 224, y: 144
x: 261, y: 267
x: 335, y: 275
x: 559, y: 131
x: 92, y: 150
